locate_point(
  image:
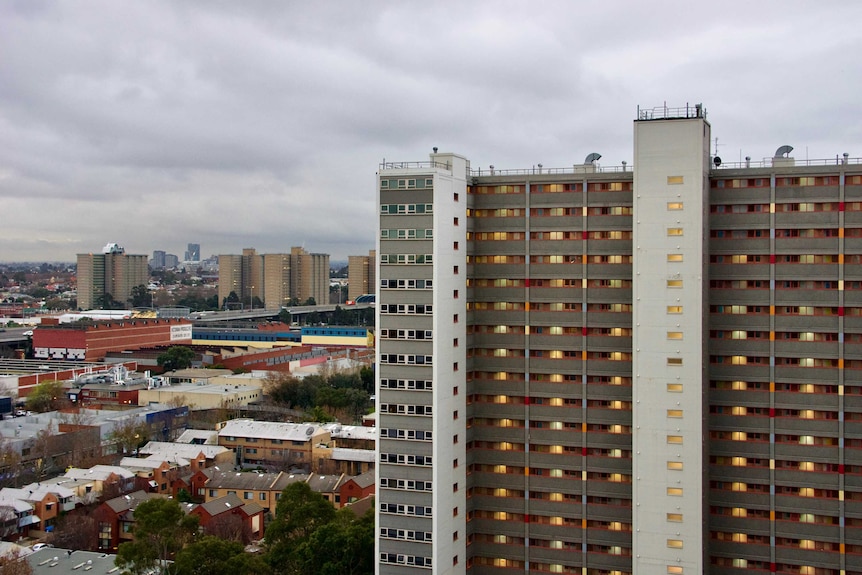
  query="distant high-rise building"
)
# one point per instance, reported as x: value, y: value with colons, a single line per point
x: 193, y: 253
x: 274, y: 278
x: 158, y: 261
x: 111, y: 272
x: 172, y: 261
x: 648, y: 369
x: 309, y: 277
x: 360, y: 274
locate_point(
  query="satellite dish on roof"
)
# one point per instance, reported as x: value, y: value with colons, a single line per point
x: 717, y: 161
x: 594, y: 157
x: 309, y: 431
x: 783, y: 151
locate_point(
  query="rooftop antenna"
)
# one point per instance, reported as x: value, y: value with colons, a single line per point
x: 716, y: 146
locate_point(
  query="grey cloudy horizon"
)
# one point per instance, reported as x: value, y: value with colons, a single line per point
x: 262, y: 124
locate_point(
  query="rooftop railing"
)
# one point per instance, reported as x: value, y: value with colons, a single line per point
x: 665, y: 113
x: 580, y: 169
x: 413, y: 165
x: 785, y: 162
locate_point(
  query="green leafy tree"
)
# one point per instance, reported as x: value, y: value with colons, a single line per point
x: 300, y: 511
x: 214, y: 556
x: 140, y: 296
x: 344, y: 546
x: 176, y: 357
x: 310, y: 301
x: 366, y: 374
x: 161, y: 529
x: 47, y: 396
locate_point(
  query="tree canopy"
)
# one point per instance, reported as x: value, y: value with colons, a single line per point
x: 161, y: 529
x: 308, y: 537
x: 47, y: 396
x: 176, y: 357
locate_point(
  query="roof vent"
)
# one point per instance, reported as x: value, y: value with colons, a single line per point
x: 783, y: 152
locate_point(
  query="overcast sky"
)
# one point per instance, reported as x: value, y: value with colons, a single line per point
x: 261, y: 124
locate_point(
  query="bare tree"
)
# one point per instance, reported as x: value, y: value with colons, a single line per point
x: 128, y: 435
x: 77, y: 531
x: 10, y: 464
x: 8, y: 521
x: 230, y: 527
x: 14, y: 563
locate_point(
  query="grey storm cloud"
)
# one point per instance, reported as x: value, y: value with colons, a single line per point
x: 261, y: 124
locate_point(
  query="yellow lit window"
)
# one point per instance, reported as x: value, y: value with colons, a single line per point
x: 674, y: 465
x: 739, y: 461
x: 674, y: 231
x: 806, y: 466
x: 806, y: 518
x: 740, y: 538
x: 674, y: 570
x: 675, y: 517
x: 739, y: 410
x: 739, y: 436
x: 674, y: 180
x: 674, y: 387
x: 674, y: 361
x: 674, y: 257
x: 739, y: 512
x: 738, y: 486
x: 740, y: 563
x: 673, y: 206
x: 674, y: 309
x: 674, y: 543
x: 674, y: 283
x: 615, y: 526
x: 615, y: 428
x: 674, y: 439
x: 806, y: 440
x: 806, y: 414
x: 806, y: 544
x: 806, y: 492
x: 674, y: 335
x: 674, y: 413
x: 556, y: 497
x: 739, y: 385
x: 674, y: 491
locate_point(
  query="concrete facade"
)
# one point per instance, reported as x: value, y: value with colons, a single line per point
x: 661, y: 363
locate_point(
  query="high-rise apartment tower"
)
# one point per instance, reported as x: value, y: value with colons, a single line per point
x: 646, y: 369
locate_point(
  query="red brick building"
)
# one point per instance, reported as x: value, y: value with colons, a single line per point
x: 91, y: 341
x: 356, y: 488
x: 230, y: 516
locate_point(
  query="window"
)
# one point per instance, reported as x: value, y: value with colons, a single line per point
x: 672, y: 206
x: 674, y: 439
x: 674, y: 335
x: 674, y: 180
x: 674, y: 283
x: 247, y: 495
x: 674, y: 257
x: 674, y: 361
x: 674, y: 231
x: 674, y: 309
x: 674, y: 413
x: 674, y: 387
x: 674, y: 491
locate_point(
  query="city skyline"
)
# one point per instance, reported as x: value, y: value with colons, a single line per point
x: 261, y: 124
